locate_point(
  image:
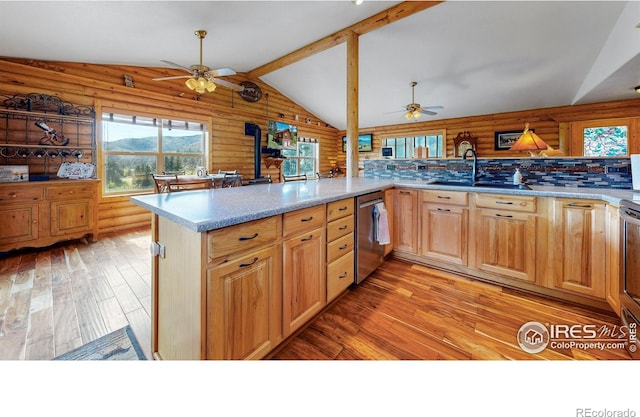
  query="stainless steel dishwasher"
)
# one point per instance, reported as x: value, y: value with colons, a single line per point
x: 369, y: 253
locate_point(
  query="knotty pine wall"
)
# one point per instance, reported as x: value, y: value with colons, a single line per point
x: 102, y: 86
x: 553, y: 125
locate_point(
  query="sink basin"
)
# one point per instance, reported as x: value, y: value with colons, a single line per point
x: 483, y: 185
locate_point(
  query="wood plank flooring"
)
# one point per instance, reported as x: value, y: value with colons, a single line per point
x: 55, y: 299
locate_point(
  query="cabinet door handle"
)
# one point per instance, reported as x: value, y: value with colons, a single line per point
x: 250, y: 263
x: 343, y: 276
x: 444, y: 197
x: 242, y: 238
x: 503, y: 215
x: 405, y: 192
x: 579, y: 205
x: 342, y: 208
x: 504, y: 202
x: 308, y: 219
x: 342, y: 228
x: 345, y: 246
x: 441, y: 209
x: 305, y: 239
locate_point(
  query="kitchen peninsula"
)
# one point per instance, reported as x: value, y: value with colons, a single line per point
x: 223, y: 283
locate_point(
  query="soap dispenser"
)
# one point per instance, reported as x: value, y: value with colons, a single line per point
x: 517, y: 177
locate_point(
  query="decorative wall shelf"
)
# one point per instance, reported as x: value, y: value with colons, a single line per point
x: 269, y: 162
x: 28, y: 123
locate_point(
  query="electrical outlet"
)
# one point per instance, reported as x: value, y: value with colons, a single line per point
x: 616, y: 170
x: 391, y: 167
x: 422, y: 167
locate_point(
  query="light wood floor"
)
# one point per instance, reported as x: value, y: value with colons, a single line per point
x: 55, y: 299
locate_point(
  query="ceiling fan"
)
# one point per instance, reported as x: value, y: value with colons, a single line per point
x: 414, y: 111
x: 201, y: 77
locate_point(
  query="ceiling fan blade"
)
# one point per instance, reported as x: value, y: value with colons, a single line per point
x: 221, y: 72
x: 227, y: 84
x: 171, y: 78
x: 433, y: 107
x: 173, y: 64
x: 429, y: 112
x: 397, y: 111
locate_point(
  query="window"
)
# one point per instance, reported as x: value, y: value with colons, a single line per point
x: 301, y: 160
x: 136, y: 146
x: 603, y: 137
x: 605, y: 141
x: 407, y: 147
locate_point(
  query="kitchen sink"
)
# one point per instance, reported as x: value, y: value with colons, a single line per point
x: 482, y: 185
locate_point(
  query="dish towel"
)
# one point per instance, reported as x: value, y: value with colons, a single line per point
x: 381, y: 224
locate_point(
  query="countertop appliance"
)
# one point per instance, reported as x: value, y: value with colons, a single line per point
x: 630, y: 284
x: 369, y: 252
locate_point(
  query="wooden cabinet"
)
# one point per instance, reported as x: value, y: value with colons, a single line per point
x: 244, y: 302
x: 578, y: 246
x: 304, y: 268
x: 405, y: 220
x: 340, y: 247
x: 37, y: 214
x: 389, y: 205
x: 504, y: 234
x: 613, y: 259
x: 444, y: 226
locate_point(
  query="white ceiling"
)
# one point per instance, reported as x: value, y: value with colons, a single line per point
x: 474, y: 57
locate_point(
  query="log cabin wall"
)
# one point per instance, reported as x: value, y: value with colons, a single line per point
x: 551, y: 124
x: 103, y: 87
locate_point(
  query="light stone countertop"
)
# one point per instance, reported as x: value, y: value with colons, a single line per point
x: 204, y: 210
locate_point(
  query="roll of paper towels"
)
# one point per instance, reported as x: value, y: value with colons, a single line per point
x: 635, y: 171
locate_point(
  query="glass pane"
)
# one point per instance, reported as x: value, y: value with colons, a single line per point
x: 178, y: 163
x: 390, y: 142
x: 290, y: 167
x: 178, y: 137
x: 129, y: 137
x: 307, y: 149
x: 126, y: 173
x: 400, y: 151
x: 420, y: 141
x: 289, y: 153
x: 605, y: 141
x: 307, y: 166
x: 434, y: 142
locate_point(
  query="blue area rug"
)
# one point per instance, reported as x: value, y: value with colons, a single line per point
x: 119, y: 345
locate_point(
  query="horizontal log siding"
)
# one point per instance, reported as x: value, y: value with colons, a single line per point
x: 102, y: 86
x: 551, y: 124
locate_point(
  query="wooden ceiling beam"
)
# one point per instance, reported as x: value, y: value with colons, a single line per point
x: 400, y: 11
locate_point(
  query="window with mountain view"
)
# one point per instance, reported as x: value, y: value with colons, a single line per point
x: 134, y: 147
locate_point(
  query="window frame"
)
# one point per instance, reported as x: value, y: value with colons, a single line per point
x: 159, y: 155
x: 409, y: 139
x: 298, y: 158
x: 576, y: 134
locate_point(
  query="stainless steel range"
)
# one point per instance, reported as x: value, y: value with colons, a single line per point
x: 630, y: 285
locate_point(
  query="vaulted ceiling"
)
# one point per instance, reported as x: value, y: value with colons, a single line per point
x: 471, y: 57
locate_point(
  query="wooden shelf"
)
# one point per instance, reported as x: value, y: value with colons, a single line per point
x: 269, y: 162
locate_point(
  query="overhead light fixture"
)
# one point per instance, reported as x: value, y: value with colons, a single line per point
x: 529, y: 141
x: 637, y: 88
x: 358, y: 2
x: 200, y: 85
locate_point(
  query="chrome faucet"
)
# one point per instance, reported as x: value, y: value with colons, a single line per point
x: 474, y: 172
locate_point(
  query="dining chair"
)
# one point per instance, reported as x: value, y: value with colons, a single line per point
x: 261, y: 180
x: 190, y: 184
x: 162, y: 181
x: 300, y: 177
x: 230, y: 178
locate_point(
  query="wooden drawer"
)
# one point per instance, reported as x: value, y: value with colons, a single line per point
x: 244, y: 236
x: 340, y: 227
x: 71, y: 191
x: 507, y: 202
x: 340, y: 274
x: 303, y: 220
x: 341, y: 208
x: 445, y: 197
x: 339, y: 247
x: 8, y: 195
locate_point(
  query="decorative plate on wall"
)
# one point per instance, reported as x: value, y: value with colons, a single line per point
x: 251, y: 92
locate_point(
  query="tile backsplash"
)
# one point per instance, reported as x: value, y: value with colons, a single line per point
x: 570, y: 172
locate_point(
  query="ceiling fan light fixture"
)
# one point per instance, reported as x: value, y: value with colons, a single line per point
x: 191, y: 83
x: 417, y: 114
